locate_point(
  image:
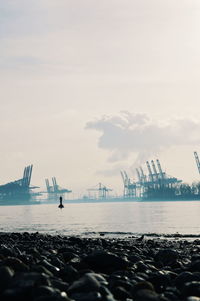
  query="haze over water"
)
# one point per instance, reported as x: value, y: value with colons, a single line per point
x: 113, y: 218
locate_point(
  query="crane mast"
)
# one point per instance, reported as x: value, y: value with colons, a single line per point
x: 150, y: 172
x: 154, y: 170
x: 143, y: 175
x: 122, y: 175
x: 138, y: 175
x: 160, y: 169
x: 197, y: 161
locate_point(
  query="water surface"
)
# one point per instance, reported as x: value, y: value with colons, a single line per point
x: 109, y: 217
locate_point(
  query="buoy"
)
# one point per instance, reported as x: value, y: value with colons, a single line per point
x: 61, y: 204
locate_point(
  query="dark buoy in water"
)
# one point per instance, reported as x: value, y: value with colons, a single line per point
x: 61, y: 204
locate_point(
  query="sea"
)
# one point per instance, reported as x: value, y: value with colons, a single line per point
x: 110, y: 218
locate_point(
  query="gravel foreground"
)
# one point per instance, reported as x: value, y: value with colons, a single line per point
x: 41, y: 267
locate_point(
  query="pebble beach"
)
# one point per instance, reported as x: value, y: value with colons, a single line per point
x: 42, y: 267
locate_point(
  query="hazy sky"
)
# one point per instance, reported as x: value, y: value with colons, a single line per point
x: 88, y: 87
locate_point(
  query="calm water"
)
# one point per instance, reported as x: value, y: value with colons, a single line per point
x: 110, y: 217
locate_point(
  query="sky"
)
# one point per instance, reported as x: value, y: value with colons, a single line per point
x: 89, y: 88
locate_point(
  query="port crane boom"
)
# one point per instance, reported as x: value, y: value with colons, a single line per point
x: 138, y: 175
x: 160, y: 169
x: 154, y: 170
x: 150, y: 172
x: 197, y: 161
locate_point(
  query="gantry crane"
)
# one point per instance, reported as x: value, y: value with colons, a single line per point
x: 55, y: 188
x: 102, y: 190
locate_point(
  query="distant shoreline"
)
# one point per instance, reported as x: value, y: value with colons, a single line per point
x: 108, y: 235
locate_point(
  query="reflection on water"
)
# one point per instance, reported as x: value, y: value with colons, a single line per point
x: 126, y: 217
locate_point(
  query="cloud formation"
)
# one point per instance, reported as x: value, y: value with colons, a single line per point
x: 128, y: 133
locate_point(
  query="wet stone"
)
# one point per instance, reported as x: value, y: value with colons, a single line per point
x: 29, y: 280
x: 59, y: 284
x: 143, y: 285
x: 50, y: 267
x: 160, y: 280
x: 191, y: 289
x: 6, y: 275
x: 41, y: 269
x: 101, y: 260
x: 146, y: 295
x: 166, y: 256
x: 45, y: 291
x: 85, y: 284
x: 59, y: 297
x: 16, y: 264
x: 134, y: 258
x: 69, y: 274
x: 193, y: 298
x: 91, y: 296
x: 120, y: 293
x: 195, y: 266
x: 126, y: 284
x: 184, y: 277
x: 7, y: 251
x: 68, y: 256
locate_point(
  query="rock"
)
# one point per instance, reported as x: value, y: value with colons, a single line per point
x: 12, y: 294
x: 86, y: 283
x: 29, y: 280
x: 141, y: 267
x: 91, y: 296
x: 41, y: 269
x: 126, y: 284
x: 16, y: 264
x: 184, y: 277
x: 191, y: 289
x: 166, y: 256
x: 134, y: 258
x: 101, y: 279
x: 171, y: 296
x: 58, y: 297
x: 195, y: 266
x: 5, y: 251
x: 45, y: 290
x: 50, y: 267
x: 120, y: 293
x: 57, y: 262
x: 69, y: 274
x: 143, y: 285
x: 59, y: 284
x: 193, y: 298
x: 102, y: 261
x: 106, y: 294
x: 160, y: 280
x: 6, y: 275
x: 68, y: 256
x: 146, y: 295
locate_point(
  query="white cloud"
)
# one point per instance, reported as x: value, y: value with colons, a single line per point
x: 127, y: 133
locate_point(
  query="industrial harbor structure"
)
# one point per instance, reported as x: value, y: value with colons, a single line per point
x: 157, y: 184
x: 154, y: 184
x: 55, y: 188
x: 101, y: 189
x: 150, y: 183
x: 19, y: 188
